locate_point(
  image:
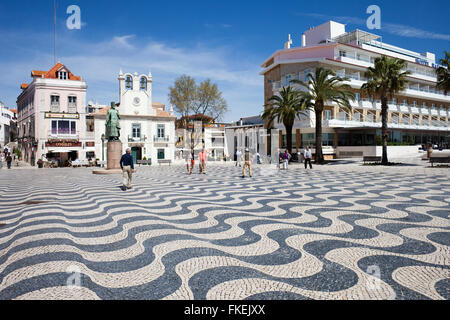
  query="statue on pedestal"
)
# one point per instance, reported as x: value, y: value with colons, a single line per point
x: 112, y: 131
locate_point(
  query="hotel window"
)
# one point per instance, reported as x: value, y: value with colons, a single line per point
x: 62, y: 75
x: 414, y: 103
x: 424, y: 104
x: 72, y: 104
x: 136, y: 130
x: 64, y: 127
x: 129, y: 83
x: 394, y: 101
x: 433, y: 106
x: 306, y: 74
x: 342, y: 53
x: 405, y: 103
x: 327, y: 115
x: 288, y: 79
x: 161, y: 129
x: 54, y: 104
x: 357, y: 96
x: 143, y: 85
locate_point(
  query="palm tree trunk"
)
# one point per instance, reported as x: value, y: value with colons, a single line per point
x: 288, y: 137
x: 384, y: 130
x: 319, y: 154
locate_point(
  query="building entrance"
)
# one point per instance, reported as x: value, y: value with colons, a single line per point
x: 136, y: 152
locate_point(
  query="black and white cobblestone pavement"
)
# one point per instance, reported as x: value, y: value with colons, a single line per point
x: 334, y: 232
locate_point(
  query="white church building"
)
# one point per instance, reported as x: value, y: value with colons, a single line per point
x: 146, y: 127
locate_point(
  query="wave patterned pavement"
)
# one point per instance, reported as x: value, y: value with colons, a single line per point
x: 330, y: 233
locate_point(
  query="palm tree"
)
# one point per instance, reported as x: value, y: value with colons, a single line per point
x: 324, y: 86
x: 285, y: 108
x: 384, y: 80
x: 443, y: 74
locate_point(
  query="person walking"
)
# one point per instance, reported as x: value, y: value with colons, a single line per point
x: 202, y: 161
x: 247, y: 163
x: 280, y: 159
x: 192, y: 157
x: 127, y: 165
x: 286, y: 157
x: 238, y: 157
x: 187, y: 157
x: 308, y: 157
x: 9, y: 160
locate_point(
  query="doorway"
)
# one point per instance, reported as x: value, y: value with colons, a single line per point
x: 136, y: 152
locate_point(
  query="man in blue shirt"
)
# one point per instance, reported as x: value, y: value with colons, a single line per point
x: 127, y: 165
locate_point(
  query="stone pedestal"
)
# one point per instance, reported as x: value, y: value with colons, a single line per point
x: 114, y: 154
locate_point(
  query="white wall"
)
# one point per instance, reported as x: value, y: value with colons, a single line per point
x: 393, y: 151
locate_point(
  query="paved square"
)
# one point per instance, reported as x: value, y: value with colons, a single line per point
x: 336, y: 232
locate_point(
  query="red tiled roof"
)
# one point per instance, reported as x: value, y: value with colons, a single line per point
x: 23, y: 86
x: 13, y: 110
x: 51, y: 74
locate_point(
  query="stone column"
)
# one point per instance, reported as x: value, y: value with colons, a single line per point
x: 114, y: 154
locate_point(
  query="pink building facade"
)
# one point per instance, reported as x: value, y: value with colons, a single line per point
x: 51, y: 117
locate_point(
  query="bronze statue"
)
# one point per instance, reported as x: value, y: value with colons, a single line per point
x: 112, y: 132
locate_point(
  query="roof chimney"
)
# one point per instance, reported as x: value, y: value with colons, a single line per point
x: 287, y: 45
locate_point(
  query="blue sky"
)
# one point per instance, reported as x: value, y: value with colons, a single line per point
x: 223, y: 40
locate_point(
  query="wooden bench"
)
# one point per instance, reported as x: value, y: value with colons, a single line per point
x: 371, y: 159
x: 164, y: 161
x: 144, y: 162
x: 439, y: 159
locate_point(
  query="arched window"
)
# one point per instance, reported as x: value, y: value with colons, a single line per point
x: 129, y: 82
x: 143, y: 85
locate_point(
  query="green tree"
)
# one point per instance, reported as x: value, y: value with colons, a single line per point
x: 324, y: 86
x: 285, y: 108
x: 182, y: 96
x: 209, y: 100
x: 190, y: 99
x: 443, y: 74
x: 384, y: 80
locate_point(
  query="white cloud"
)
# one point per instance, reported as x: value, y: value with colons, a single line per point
x: 392, y: 28
x: 100, y: 62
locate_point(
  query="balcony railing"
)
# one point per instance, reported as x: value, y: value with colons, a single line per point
x: 161, y: 139
x: 64, y: 135
x: 136, y: 139
x: 54, y: 107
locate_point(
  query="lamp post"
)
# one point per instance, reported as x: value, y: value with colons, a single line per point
x: 103, y: 150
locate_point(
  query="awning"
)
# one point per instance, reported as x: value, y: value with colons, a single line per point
x: 61, y: 150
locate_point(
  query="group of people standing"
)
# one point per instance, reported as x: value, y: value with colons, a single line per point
x: 285, y: 157
x: 190, y: 161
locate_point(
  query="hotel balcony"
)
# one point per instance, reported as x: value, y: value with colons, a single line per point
x: 392, y: 107
x: 66, y: 135
x: 89, y: 135
x: 54, y: 107
x: 72, y: 108
x: 136, y: 139
x: 157, y: 139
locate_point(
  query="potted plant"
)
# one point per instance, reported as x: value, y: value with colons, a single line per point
x: 40, y: 163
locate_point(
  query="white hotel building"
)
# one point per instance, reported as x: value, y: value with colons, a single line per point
x: 417, y: 115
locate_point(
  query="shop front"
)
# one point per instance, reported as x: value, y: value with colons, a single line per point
x: 62, y: 152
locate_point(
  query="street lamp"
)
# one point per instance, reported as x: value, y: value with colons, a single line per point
x: 103, y: 150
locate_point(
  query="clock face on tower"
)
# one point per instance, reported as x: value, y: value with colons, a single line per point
x: 136, y: 101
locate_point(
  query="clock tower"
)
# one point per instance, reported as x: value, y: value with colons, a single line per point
x: 136, y: 94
